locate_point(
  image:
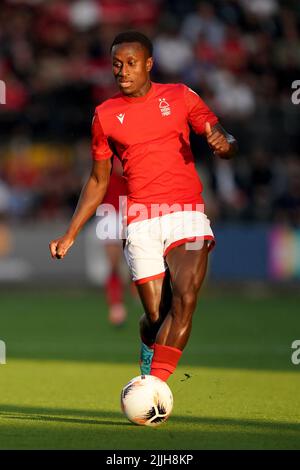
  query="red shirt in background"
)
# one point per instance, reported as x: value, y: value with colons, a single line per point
x: 116, y: 187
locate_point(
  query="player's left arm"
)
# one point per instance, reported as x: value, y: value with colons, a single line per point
x: 223, y: 144
x: 204, y: 122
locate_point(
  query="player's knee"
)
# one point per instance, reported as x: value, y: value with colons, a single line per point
x: 189, y: 300
x: 184, y: 303
x: 152, y: 315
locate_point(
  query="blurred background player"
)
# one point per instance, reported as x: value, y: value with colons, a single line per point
x: 114, y: 284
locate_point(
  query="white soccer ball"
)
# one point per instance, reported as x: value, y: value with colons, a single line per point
x: 147, y: 400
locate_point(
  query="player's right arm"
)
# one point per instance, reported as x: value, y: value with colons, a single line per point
x: 91, y: 196
x: 92, y: 193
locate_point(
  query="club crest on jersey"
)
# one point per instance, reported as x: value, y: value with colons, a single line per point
x: 164, y: 107
x: 121, y: 117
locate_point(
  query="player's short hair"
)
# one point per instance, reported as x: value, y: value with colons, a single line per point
x: 134, y: 36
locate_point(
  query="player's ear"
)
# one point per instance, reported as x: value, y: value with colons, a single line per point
x: 149, y: 64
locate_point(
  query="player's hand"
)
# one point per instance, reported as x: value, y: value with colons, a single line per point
x: 217, y: 141
x: 60, y: 246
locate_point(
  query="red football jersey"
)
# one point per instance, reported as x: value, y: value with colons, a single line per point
x: 150, y: 134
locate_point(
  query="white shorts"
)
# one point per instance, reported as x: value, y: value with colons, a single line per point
x: 149, y: 241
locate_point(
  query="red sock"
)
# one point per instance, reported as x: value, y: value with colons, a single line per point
x: 164, y: 361
x: 114, y: 289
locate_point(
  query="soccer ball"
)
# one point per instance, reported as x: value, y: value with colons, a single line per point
x: 147, y: 400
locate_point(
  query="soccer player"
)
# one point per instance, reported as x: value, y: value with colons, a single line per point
x: 168, y: 235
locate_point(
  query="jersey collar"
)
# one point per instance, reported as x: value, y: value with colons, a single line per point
x: 139, y: 99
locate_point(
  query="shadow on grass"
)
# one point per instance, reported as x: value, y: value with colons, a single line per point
x: 112, y: 418
x: 61, y: 415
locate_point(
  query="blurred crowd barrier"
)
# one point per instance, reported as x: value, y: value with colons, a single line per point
x: 243, y: 252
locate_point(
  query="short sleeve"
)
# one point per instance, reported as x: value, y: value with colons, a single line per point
x: 100, y: 146
x: 198, y: 111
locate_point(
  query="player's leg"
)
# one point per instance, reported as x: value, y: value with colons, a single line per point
x: 156, y: 297
x: 114, y: 287
x: 187, y: 270
x: 143, y: 251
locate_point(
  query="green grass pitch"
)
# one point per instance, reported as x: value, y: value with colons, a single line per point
x: 66, y: 366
